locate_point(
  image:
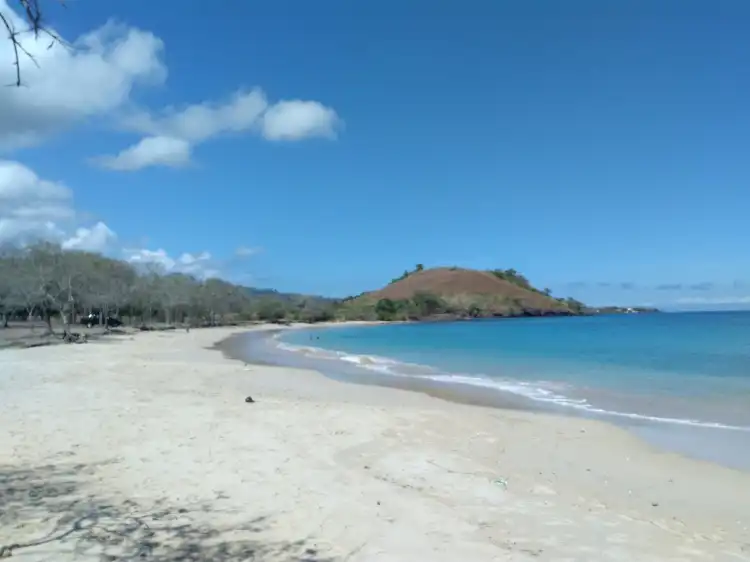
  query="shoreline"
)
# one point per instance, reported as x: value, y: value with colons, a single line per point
x: 321, y: 470
x: 658, y: 433
x: 233, y: 347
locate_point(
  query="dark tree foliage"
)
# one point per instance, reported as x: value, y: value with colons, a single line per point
x: 47, y: 282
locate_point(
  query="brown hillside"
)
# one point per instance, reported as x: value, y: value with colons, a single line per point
x: 447, y: 282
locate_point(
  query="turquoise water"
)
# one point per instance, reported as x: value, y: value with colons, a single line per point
x: 690, y: 370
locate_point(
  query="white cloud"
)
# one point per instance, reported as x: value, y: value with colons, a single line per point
x: 32, y: 209
x: 190, y: 259
x: 159, y: 258
x: 297, y: 119
x: 95, y: 239
x: 151, y: 151
x: 200, y: 265
x: 68, y: 85
x: 197, y: 123
x: 244, y: 112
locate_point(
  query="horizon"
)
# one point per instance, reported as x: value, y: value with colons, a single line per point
x: 596, y: 149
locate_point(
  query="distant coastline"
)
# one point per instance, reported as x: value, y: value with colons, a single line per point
x: 624, y: 310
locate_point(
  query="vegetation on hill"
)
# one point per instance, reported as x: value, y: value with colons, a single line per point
x: 456, y: 293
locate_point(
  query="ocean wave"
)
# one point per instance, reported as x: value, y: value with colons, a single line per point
x: 538, y: 391
x: 370, y: 362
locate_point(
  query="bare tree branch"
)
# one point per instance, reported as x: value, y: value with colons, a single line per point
x: 33, y: 15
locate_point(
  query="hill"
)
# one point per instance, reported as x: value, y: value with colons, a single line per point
x: 453, y: 292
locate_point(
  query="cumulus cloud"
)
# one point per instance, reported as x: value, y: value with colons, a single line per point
x: 200, y: 265
x: 32, y: 208
x: 150, y: 151
x: 245, y: 111
x: 298, y: 119
x: 199, y: 122
x: 95, y: 239
x: 69, y: 85
x: 144, y: 256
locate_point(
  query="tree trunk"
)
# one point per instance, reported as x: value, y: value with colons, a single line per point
x: 5, y: 320
x: 48, y: 321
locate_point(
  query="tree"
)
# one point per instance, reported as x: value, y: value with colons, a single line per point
x: 428, y: 304
x: 419, y: 267
x: 271, y: 311
x: 55, y: 275
x: 386, y: 309
x: 146, y: 294
x: 19, y: 291
x: 7, y: 290
x: 575, y: 306
x: 31, y: 22
x: 512, y: 276
x: 64, y: 284
x: 174, y: 293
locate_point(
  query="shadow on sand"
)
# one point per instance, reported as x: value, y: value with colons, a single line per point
x: 48, y: 513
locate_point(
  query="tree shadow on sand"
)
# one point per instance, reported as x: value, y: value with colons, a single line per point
x: 46, y: 513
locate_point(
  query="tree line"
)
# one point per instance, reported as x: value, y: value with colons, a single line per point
x: 59, y: 286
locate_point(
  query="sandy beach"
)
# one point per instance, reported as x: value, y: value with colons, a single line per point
x: 144, y: 448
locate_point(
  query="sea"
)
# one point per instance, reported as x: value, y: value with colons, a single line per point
x: 679, y: 380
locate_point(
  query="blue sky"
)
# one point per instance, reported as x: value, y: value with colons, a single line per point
x: 598, y: 147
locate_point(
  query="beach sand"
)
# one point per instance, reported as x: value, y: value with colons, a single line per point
x: 144, y: 448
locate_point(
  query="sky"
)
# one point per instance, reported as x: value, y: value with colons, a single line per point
x: 600, y: 148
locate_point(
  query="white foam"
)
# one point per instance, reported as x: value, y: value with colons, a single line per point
x: 538, y: 393
x: 532, y: 390
x: 372, y: 362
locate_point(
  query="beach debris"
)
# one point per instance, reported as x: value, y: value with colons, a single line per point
x: 501, y: 482
x: 249, y: 400
x: 75, y: 337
